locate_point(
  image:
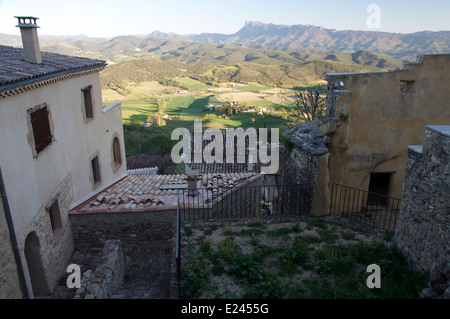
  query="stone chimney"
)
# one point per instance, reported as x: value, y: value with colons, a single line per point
x: 30, y: 40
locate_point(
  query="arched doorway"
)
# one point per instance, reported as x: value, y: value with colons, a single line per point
x: 35, y: 266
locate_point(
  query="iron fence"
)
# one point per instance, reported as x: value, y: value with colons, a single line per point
x: 260, y: 201
x: 369, y: 208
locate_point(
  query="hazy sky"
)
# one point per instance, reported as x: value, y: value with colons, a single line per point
x: 120, y: 17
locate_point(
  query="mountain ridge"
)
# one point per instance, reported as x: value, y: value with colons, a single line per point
x: 403, y: 46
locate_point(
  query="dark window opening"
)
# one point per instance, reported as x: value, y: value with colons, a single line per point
x: 378, y: 188
x: 87, y: 95
x: 54, y: 214
x: 116, y: 152
x: 95, y: 169
x: 406, y: 86
x: 41, y: 128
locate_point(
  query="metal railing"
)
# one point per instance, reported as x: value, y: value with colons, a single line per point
x: 369, y: 208
x: 260, y: 201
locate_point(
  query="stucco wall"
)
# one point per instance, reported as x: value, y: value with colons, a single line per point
x: 9, y: 277
x: 62, y: 167
x: 383, y: 120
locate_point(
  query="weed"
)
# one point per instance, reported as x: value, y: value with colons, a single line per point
x: 316, y: 222
x: 227, y: 250
x: 218, y: 270
x: 195, y: 277
x: 250, y: 232
x: 254, y: 241
x: 188, y: 231
x: 259, y: 224
x: 348, y: 235
x: 270, y: 288
x: 279, y: 232
x: 328, y: 235
x: 228, y: 231
x: 246, y: 269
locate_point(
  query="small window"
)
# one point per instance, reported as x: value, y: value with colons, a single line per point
x: 95, y: 169
x: 116, y: 152
x: 41, y: 127
x: 87, y: 97
x: 406, y: 86
x: 54, y: 214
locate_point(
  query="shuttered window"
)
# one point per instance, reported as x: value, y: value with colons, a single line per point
x: 41, y: 128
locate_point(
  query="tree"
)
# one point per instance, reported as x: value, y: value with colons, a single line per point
x: 309, y: 105
x: 156, y: 118
x: 162, y: 104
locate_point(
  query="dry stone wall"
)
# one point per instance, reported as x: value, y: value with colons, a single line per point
x: 107, y: 277
x: 423, y: 228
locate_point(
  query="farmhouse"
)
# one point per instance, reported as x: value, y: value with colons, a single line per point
x: 59, y: 147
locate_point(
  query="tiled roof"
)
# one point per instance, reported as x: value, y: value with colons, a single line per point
x: 143, y: 193
x: 16, y: 71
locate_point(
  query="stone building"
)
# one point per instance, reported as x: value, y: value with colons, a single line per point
x: 59, y: 146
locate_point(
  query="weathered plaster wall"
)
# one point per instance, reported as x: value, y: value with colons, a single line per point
x: 383, y: 120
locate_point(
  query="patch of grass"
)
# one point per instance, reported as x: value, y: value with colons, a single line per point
x: 246, y: 269
x: 227, y: 250
x: 338, y: 270
x: 348, y: 235
x: 279, y: 232
x: 195, y: 277
x: 316, y: 222
x: 328, y: 235
x: 259, y: 224
x: 268, y: 289
x: 229, y: 231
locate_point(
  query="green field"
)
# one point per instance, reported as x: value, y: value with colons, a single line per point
x: 182, y: 110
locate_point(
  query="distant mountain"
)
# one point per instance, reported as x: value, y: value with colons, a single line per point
x: 283, y: 40
x: 124, y: 48
x: 400, y: 46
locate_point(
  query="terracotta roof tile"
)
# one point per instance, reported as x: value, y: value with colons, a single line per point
x: 14, y: 69
x: 143, y: 193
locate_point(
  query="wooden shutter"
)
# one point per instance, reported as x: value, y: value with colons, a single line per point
x: 41, y: 128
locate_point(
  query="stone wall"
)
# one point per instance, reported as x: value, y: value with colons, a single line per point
x: 307, y: 163
x: 107, y: 277
x: 423, y: 228
x: 56, y: 246
x: 146, y: 238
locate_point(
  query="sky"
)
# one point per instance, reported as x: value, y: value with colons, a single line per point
x: 108, y: 18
